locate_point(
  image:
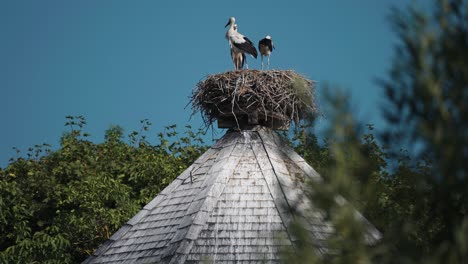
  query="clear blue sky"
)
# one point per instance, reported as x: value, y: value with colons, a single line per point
x: 117, y: 62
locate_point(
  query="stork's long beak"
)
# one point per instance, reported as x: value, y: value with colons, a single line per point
x: 229, y: 22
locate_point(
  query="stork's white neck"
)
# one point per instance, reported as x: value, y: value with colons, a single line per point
x: 232, y: 29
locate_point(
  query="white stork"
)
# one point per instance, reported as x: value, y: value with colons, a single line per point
x: 239, y: 44
x: 265, y: 46
x: 238, y: 57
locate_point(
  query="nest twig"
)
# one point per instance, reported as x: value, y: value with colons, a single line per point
x: 274, y: 91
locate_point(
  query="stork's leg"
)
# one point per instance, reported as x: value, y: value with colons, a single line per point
x: 238, y: 63
x: 268, y: 61
x: 262, y: 62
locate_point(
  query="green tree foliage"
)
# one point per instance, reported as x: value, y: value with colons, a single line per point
x: 427, y: 91
x: 352, y: 164
x: 58, y: 206
x: 414, y: 190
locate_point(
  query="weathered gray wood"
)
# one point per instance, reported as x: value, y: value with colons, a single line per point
x: 229, y: 207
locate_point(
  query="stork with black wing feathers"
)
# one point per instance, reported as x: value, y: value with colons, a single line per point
x: 265, y: 46
x: 239, y: 44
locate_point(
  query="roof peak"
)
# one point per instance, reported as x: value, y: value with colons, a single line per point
x: 229, y: 205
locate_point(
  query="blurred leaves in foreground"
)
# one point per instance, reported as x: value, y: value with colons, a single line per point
x: 414, y: 185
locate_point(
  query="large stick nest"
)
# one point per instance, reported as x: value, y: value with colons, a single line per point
x: 272, y: 92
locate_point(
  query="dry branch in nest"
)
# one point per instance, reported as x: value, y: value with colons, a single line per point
x: 260, y: 95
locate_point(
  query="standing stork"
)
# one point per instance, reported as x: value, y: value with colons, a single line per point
x: 239, y: 44
x: 238, y: 57
x: 265, y: 46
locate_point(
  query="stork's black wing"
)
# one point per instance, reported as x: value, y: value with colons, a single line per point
x: 266, y: 42
x: 246, y: 46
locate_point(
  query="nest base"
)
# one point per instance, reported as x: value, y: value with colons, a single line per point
x: 242, y: 120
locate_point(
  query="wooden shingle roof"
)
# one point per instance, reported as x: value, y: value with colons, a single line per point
x: 233, y: 205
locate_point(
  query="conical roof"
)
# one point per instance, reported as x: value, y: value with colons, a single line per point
x: 232, y: 205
